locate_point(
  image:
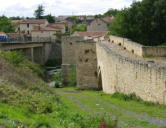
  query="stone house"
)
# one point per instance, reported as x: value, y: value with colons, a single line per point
x: 60, y: 28
x: 99, y: 24
x: 27, y: 25
x: 43, y: 32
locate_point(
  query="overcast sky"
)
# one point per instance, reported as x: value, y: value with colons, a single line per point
x: 60, y: 7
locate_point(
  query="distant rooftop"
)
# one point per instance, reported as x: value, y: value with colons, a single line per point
x: 33, y: 21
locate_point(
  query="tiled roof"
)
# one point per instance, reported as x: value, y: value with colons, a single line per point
x: 2, y: 33
x: 91, y: 34
x: 33, y: 21
x: 56, y: 26
x: 107, y: 19
x: 41, y: 28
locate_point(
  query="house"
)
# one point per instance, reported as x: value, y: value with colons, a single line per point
x: 26, y: 26
x: 96, y: 36
x: 60, y: 28
x: 99, y: 24
x: 69, y: 24
x: 43, y: 32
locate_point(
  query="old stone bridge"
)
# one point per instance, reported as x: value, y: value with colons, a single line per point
x: 116, y: 65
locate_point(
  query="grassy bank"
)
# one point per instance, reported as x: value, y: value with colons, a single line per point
x: 27, y: 102
x: 130, y: 113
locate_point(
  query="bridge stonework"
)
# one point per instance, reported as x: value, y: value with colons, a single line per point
x: 101, y: 67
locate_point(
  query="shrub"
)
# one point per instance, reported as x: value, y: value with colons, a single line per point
x: 14, y: 57
x: 57, y: 78
x: 126, y: 97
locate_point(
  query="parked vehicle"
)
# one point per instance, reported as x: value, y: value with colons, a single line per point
x: 3, y: 37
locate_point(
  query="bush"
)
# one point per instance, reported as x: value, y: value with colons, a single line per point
x: 81, y: 28
x: 13, y: 57
x: 57, y: 78
x: 17, y: 59
x: 127, y: 97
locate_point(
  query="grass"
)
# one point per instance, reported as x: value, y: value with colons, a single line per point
x: 96, y: 103
x: 27, y: 102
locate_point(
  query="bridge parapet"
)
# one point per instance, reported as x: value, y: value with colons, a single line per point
x: 21, y: 39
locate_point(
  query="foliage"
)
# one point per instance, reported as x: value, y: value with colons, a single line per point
x: 98, y: 16
x: 50, y: 18
x: 81, y: 28
x: 126, y: 97
x: 6, y: 25
x: 31, y: 104
x: 16, y: 58
x: 57, y: 78
x: 143, y: 22
x: 13, y: 57
x: 76, y: 20
x: 59, y: 37
x: 39, y: 12
x: 111, y: 12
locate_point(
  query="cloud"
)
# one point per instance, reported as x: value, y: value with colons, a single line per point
x: 60, y: 7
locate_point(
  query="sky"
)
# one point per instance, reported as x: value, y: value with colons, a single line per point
x: 60, y: 7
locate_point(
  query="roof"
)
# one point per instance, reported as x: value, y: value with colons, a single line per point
x: 33, y: 21
x: 2, y: 33
x: 41, y: 28
x: 56, y: 26
x: 16, y: 21
x: 91, y: 34
x: 106, y: 19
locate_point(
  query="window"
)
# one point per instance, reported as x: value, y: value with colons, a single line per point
x: 28, y: 25
x: 28, y: 31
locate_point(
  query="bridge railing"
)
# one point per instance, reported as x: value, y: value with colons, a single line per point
x: 25, y: 39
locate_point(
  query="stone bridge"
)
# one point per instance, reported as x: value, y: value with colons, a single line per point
x: 116, y: 65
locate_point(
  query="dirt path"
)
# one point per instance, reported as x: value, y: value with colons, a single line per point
x: 96, y: 105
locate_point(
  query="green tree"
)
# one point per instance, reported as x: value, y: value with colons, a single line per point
x: 39, y: 12
x: 50, y: 18
x: 143, y: 22
x: 6, y: 25
x: 81, y: 28
x: 112, y: 12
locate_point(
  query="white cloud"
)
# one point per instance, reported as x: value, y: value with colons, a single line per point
x: 60, y: 7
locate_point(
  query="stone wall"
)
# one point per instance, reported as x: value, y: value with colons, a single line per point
x: 154, y: 51
x: 122, y: 74
x: 138, y: 49
x: 86, y: 65
x: 68, y: 56
x: 97, y: 25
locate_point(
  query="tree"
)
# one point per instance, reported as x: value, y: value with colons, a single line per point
x: 39, y: 12
x: 6, y: 25
x: 111, y: 12
x: 143, y: 22
x: 50, y: 18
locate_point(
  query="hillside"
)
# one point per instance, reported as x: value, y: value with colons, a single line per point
x: 27, y: 102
